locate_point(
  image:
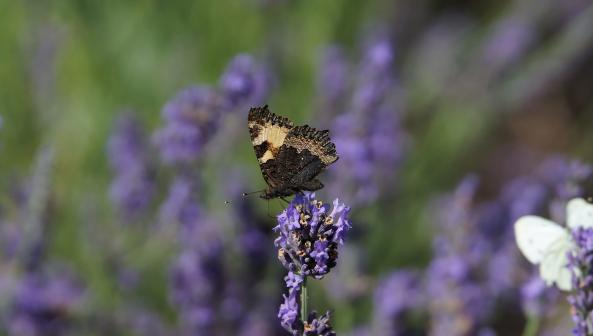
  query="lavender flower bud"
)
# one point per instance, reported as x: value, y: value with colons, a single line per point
x: 310, y: 235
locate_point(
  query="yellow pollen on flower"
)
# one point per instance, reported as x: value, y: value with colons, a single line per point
x: 329, y: 220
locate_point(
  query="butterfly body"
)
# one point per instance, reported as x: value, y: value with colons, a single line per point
x: 290, y: 157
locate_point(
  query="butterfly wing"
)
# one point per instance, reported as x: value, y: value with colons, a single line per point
x: 268, y: 132
x: 579, y: 213
x: 554, y: 265
x: 290, y: 157
x: 317, y: 143
x: 535, y: 235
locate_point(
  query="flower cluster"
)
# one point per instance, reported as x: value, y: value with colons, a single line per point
x: 289, y: 309
x: 44, y: 304
x: 133, y: 186
x: 310, y: 235
x: 581, y: 262
x: 289, y: 312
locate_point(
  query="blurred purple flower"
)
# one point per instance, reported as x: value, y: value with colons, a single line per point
x: 182, y: 205
x: 133, y: 186
x: 197, y: 285
x: 44, y: 305
x: 192, y: 117
x: 244, y: 82
x: 509, y: 40
x: 536, y: 296
x: 581, y: 300
x: 396, y: 296
x: 368, y: 135
x: 333, y: 82
x: 253, y: 231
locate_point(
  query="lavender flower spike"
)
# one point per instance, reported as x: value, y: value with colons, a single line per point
x: 133, y: 186
x: 581, y: 263
x: 244, y: 82
x: 309, y: 236
x: 192, y: 117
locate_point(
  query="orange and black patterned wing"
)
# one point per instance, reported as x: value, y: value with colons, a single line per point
x: 290, y: 157
x: 267, y: 132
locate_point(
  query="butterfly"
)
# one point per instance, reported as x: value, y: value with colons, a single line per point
x: 290, y: 157
x: 546, y: 243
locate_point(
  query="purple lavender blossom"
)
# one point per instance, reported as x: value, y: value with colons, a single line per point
x: 396, y: 296
x: 244, y: 82
x: 252, y: 230
x: 182, y: 204
x: 197, y: 283
x: 133, y: 186
x: 369, y: 136
x: 289, y: 313
x: 318, y: 325
x: 310, y: 235
x: 44, y: 305
x: 536, y: 297
x: 192, y: 117
x: 509, y: 40
x: 581, y: 300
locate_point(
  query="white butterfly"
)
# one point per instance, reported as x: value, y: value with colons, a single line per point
x: 546, y: 243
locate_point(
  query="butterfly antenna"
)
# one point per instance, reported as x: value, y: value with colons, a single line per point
x: 245, y: 195
x: 253, y: 192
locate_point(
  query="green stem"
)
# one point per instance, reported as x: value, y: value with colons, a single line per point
x: 304, y: 300
x: 531, y: 326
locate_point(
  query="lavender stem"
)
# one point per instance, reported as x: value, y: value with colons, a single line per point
x: 531, y: 326
x: 304, y: 299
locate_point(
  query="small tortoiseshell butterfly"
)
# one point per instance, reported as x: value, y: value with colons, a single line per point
x: 290, y: 157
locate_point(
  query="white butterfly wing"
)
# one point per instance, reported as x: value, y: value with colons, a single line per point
x: 579, y: 213
x: 535, y: 235
x: 554, y: 264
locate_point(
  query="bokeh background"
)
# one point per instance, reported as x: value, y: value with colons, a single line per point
x: 123, y: 132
